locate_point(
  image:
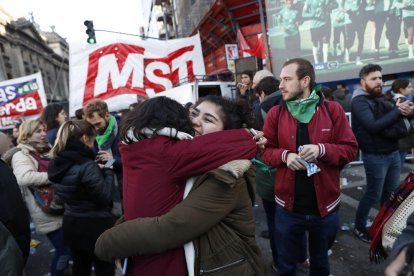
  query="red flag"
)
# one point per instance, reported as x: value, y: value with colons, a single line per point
x: 258, y: 49
x: 244, y: 47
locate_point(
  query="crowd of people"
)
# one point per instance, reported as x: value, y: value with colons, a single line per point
x: 168, y: 189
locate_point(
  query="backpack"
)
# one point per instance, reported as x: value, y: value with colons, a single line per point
x: 45, y: 196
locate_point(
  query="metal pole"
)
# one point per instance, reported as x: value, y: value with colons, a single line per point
x: 174, y: 18
x: 164, y: 9
x: 264, y: 31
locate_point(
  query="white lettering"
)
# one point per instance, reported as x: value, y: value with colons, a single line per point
x: 7, y: 93
x: 181, y: 63
x: 108, y: 70
x: 164, y: 68
x: 10, y: 92
x: 23, y: 105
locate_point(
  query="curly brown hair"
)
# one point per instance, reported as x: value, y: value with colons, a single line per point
x: 96, y: 105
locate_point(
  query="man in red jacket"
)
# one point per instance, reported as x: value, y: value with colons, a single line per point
x: 301, y: 130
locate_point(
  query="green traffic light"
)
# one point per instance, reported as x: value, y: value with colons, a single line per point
x: 90, y: 31
x: 91, y: 40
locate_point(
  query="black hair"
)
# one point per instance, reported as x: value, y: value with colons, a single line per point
x: 188, y: 106
x: 249, y: 73
x: 133, y: 105
x: 327, y: 93
x: 155, y: 114
x: 49, y: 114
x: 268, y: 85
x: 400, y: 84
x: 79, y: 114
x: 369, y: 68
x: 234, y: 114
x: 341, y: 84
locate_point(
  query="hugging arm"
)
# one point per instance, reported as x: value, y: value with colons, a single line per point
x: 185, y: 222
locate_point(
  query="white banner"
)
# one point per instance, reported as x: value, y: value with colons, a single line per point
x: 117, y: 71
x: 21, y: 98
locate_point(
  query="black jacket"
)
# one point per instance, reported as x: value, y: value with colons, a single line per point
x: 83, y: 187
x: 13, y: 212
x: 11, y: 258
x: 368, y: 129
x: 270, y: 101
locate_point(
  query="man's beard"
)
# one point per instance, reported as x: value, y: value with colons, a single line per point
x: 374, y: 91
x: 104, y: 129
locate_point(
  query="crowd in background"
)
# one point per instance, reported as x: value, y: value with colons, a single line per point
x: 185, y: 177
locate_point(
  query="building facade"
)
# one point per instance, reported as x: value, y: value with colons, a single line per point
x: 171, y: 19
x: 25, y: 50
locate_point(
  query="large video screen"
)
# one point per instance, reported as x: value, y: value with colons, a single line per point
x: 339, y: 37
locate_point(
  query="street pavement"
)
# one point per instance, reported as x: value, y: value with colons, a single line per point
x: 349, y: 255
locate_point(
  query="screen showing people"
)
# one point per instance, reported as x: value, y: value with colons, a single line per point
x: 339, y: 36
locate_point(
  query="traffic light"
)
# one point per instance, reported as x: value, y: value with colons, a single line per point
x: 90, y: 31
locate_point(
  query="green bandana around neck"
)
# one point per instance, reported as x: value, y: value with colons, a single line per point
x: 100, y: 139
x: 303, y: 109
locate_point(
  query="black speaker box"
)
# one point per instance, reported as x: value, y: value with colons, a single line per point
x: 249, y: 63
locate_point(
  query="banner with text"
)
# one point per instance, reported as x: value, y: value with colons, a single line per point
x: 21, y: 98
x: 118, y: 71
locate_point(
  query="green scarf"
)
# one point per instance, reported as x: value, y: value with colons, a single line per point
x: 303, y: 109
x: 100, y: 139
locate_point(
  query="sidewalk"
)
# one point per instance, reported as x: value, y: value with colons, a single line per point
x: 349, y: 255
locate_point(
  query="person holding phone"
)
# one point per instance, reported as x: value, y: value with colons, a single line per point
x: 229, y: 230
x: 107, y: 141
x: 244, y: 88
x: 86, y: 189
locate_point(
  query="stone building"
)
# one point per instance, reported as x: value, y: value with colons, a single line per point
x: 25, y: 50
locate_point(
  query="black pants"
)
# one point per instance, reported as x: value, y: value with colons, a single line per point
x: 80, y: 234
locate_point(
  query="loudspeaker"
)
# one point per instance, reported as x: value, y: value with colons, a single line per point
x: 249, y: 63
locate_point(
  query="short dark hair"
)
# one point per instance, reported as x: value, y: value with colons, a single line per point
x: 341, y: 84
x: 399, y: 84
x: 369, y: 68
x: 268, y: 85
x: 327, y: 93
x: 305, y: 68
x: 79, y: 114
x: 49, y: 114
x: 155, y: 114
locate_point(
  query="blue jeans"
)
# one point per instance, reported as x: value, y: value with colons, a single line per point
x: 383, y: 176
x: 403, y: 155
x: 62, y: 255
x: 290, y: 230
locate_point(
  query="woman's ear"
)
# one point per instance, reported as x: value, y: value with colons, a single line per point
x: 84, y: 139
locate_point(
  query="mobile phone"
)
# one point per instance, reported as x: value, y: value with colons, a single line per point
x: 302, y: 161
x: 253, y: 132
x: 109, y: 163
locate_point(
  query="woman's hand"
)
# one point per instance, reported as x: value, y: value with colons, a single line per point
x: 260, y: 139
